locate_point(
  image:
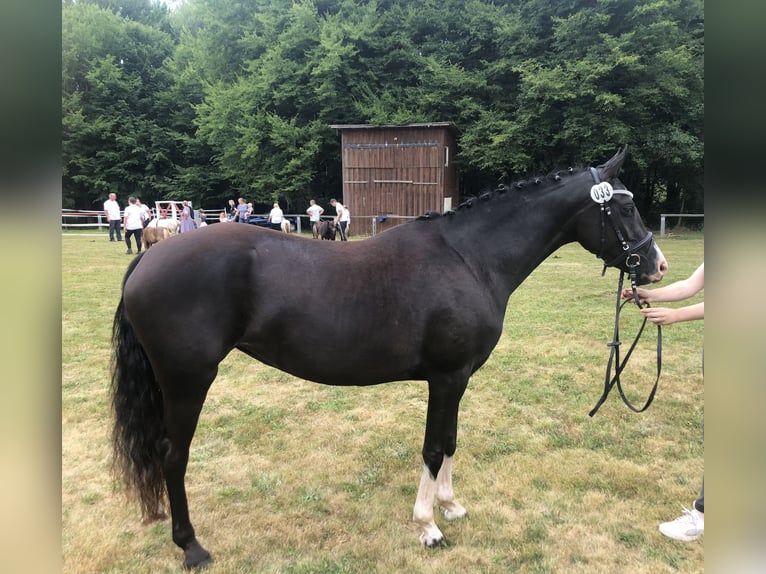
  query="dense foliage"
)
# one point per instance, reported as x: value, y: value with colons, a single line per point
x: 221, y: 98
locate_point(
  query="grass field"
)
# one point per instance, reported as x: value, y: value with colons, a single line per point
x: 292, y: 477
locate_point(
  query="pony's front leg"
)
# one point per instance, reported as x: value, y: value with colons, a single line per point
x: 445, y: 496
x: 444, y: 394
x: 423, y: 513
x: 441, y: 492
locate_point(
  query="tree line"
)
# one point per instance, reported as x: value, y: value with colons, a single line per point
x: 218, y: 99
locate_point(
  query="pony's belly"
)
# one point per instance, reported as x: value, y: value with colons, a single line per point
x: 339, y: 372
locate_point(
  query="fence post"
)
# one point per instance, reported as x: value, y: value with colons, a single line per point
x: 374, y: 225
x: 662, y: 225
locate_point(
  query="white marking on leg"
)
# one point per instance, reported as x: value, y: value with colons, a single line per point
x: 445, y: 496
x: 423, y: 513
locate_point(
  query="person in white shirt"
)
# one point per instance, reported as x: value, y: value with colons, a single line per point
x: 342, y: 219
x: 315, y: 211
x: 133, y: 225
x: 112, y: 213
x: 146, y: 213
x: 275, y: 216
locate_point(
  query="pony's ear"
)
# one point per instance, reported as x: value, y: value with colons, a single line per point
x: 611, y: 168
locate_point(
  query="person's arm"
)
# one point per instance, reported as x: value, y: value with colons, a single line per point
x: 678, y: 291
x: 668, y: 316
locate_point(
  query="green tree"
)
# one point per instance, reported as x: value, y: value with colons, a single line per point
x: 223, y: 98
x: 113, y: 69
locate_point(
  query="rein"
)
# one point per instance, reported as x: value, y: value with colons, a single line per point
x: 602, y: 193
x: 614, y: 354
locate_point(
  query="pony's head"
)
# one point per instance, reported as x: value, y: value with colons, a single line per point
x: 611, y: 227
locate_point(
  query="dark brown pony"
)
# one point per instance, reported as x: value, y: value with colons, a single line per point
x: 422, y: 301
x: 326, y: 230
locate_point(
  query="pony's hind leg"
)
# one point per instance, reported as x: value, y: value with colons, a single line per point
x: 181, y: 416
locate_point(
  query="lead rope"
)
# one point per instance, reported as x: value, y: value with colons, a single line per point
x: 614, y: 354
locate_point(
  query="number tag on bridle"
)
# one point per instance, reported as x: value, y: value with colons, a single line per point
x: 601, y: 192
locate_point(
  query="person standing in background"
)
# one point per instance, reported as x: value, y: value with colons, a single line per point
x: 315, y: 211
x: 242, y: 210
x: 146, y: 213
x: 342, y: 218
x: 132, y: 224
x: 187, y: 218
x: 112, y: 213
x: 275, y: 217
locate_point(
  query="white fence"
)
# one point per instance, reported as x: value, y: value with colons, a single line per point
x: 83, y: 219
x: 80, y: 219
x: 74, y: 219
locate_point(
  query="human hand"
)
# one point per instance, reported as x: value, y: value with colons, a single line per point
x: 660, y: 315
x: 643, y: 294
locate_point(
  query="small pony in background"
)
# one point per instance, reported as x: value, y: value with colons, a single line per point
x: 326, y: 230
x: 285, y: 225
x: 157, y: 230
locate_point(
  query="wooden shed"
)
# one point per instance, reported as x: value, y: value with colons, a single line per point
x: 395, y: 172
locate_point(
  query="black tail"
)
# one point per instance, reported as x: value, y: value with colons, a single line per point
x: 137, y: 407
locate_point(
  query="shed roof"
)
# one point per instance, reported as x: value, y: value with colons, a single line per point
x: 390, y: 126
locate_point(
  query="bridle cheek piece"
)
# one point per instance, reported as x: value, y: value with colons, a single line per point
x: 602, y: 193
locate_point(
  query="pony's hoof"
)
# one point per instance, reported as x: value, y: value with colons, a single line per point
x: 454, y: 513
x: 438, y: 543
x: 196, y: 557
x: 433, y: 539
x: 452, y: 509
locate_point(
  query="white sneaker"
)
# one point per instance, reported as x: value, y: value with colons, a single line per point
x: 689, y: 526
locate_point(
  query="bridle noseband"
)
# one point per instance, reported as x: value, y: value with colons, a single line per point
x: 602, y: 193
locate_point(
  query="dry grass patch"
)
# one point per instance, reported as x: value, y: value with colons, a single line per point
x: 287, y: 476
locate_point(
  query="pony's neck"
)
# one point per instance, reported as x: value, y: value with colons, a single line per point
x: 512, y: 234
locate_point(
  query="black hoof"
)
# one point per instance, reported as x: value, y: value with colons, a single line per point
x: 196, y: 557
x: 441, y: 543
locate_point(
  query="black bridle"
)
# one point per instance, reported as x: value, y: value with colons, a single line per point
x: 602, y: 194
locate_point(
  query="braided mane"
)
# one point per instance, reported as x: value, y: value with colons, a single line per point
x: 502, y: 189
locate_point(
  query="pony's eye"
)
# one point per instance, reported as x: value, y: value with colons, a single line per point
x: 628, y: 211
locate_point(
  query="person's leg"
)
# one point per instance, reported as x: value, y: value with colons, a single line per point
x: 128, y: 233
x: 342, y: 227
x: 699, y: 504
x: 139, y: 233
x: 691, y: 524
x: 111, y: 230
x: 118, y: 228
